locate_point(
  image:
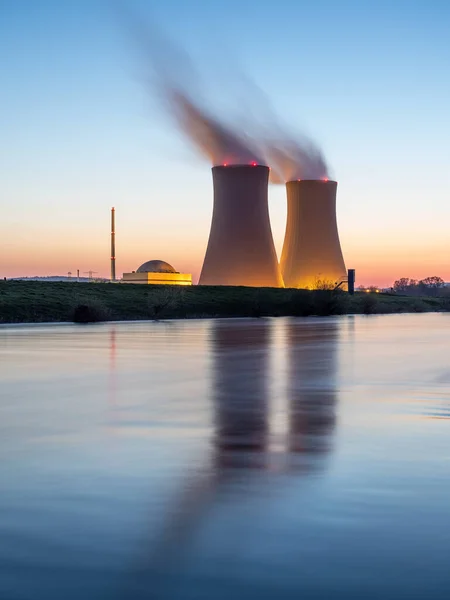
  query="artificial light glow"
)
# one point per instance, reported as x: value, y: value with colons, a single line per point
x: 225, y: 164
x: 253, y: 163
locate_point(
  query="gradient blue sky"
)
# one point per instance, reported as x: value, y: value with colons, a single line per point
x: 79, y: 131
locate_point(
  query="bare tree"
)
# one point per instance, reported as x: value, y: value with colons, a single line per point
x: 430, y: 286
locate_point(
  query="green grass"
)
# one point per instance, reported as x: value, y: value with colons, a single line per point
x: 34, y: 302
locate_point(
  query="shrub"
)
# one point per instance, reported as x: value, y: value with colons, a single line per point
x: 445, y: 304
x: 323, y: 284
x: 298, y: 304
x: 329, y: 302
x: 89, y: 313
x: 161, y: 299
x: 369, y: 304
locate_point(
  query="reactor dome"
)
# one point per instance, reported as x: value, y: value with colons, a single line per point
x: 156, y: 266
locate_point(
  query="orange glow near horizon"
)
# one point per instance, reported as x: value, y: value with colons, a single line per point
x: 380, y: 269
x: 379, y: 260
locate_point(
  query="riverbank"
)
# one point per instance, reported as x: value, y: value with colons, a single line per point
x: 37, y: 302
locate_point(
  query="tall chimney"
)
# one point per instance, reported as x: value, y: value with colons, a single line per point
x: 240, y: 247
x: 312, y: 252
x: 113, y: 244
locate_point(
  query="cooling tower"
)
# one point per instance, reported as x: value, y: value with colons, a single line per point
x: 240, y: 247
x: 311, y: 251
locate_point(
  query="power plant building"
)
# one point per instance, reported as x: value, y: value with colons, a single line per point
x: 240, y: 248
x: 157, y: 272
x: 312, y: 255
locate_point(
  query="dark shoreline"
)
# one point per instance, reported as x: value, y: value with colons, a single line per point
x: 47, y: 302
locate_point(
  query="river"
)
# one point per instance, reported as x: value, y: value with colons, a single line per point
x: 218, y: 459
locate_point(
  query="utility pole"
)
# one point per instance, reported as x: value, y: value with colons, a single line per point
x: 90, y: 273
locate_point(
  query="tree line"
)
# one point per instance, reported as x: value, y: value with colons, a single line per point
x: 430, y: 286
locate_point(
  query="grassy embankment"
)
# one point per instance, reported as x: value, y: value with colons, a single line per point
x: 34, y: 302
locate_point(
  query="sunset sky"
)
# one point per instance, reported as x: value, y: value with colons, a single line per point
x: 80, y: 131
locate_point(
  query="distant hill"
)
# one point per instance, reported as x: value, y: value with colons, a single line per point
x: 58, y: 278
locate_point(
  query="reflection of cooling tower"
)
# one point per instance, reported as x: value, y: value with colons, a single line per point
x: 240, y: 248
x: 311, y: 385
x: 241, y: 354
x: 311, y: 250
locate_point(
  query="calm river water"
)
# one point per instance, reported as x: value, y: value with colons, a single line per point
x: 266, y: 458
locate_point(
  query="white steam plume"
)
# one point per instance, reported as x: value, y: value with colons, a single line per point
x: 259, y: 138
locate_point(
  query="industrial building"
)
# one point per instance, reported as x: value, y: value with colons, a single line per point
x: 157, y: 272
x: 240, y: 248
x: 312, y: 255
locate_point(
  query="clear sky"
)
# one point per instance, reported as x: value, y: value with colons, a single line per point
x: 79, y: 133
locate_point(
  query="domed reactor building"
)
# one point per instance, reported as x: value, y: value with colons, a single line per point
x: 157, y: 272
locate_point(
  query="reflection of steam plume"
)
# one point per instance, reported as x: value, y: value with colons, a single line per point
x: 241, y: 371
x: 239, y: 389
x: 256, y: 136
x: 311, y: 385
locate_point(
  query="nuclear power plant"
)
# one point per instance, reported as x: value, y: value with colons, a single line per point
x: 312, y: 252
x: 240, y: 248
x: 241, y: 251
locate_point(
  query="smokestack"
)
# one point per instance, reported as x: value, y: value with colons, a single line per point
x: 113, y: 244
x: 240, y: 247
x: 311, y: 250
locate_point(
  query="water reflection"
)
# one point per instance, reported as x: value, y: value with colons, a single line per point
x: 311, y: 388
x: 112, y: 366
x: 206, y: 490
x: 241, y: 377
x: 239, y: 396
x: 239, y: 390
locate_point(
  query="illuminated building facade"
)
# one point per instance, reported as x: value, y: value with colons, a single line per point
x: 157, y: 272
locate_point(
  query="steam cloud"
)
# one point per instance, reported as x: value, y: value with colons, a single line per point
x: 253, y: 138
x: 214, y: 139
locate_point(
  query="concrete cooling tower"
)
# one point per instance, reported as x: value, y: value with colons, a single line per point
x: 311, y: 251
x: 240, y: 247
